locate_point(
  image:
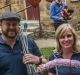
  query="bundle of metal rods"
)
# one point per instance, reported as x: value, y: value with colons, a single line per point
x: 31, y: 68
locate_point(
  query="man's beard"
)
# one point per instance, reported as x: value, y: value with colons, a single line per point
x: 10, y: 33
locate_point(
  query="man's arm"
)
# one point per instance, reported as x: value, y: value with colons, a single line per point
x: 34, y: 56
x: 30, y: 58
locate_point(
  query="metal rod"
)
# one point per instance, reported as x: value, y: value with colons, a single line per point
x: 24, y: 8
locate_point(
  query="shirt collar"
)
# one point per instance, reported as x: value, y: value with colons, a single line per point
x: 74, y: 53
x: 2, y: 41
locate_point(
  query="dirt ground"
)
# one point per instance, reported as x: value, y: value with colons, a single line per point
x: 42, y: 43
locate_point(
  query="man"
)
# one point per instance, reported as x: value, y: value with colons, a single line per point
x: 12, y: 59
x: 56, y: 8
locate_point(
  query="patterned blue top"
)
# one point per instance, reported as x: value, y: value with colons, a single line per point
x: 66, y: 70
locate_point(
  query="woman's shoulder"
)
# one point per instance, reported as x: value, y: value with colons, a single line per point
x: 77, y: 54
x: 54, y: 56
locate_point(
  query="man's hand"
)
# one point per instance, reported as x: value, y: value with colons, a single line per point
x: 61, y: 18
x: 29, y: 58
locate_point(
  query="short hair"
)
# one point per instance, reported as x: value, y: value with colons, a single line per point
x: 59, y: 32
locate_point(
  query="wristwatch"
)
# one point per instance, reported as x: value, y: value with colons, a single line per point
x: 40, y: 60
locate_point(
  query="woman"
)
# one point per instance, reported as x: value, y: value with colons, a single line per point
x: 66, y: 49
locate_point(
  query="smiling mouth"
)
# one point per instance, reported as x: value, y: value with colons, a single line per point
x: 11, y: 32
x: 66, y: 44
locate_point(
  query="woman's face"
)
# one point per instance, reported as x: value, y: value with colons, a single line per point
x: 66, y: 40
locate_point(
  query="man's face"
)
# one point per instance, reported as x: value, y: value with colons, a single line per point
x: 58, y: 1
x: 9, y: 28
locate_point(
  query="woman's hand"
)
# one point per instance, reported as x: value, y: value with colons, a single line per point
x: 39, y: 69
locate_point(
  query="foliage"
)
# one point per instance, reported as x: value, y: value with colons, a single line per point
x: 46, y: 52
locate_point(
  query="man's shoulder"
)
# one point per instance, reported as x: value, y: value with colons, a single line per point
x: 53, y: 3
x: 64, y: 4
x: 30, y: 40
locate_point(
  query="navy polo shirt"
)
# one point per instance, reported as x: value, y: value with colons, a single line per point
x: 11, y: 58
x: 62, y: 70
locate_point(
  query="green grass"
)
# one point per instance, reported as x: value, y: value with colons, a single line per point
x: 46, y: 52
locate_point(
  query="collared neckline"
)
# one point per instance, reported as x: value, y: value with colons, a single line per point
x: 2, y: 41
x: 74, y: 53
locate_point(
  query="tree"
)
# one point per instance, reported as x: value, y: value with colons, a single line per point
x: 8, y: 5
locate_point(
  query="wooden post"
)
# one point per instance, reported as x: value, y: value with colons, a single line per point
x: 25, y: 9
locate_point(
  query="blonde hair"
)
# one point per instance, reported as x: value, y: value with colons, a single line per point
x: 59, y: 32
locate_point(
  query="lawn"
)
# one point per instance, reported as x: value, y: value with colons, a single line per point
x: 46, y: 52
